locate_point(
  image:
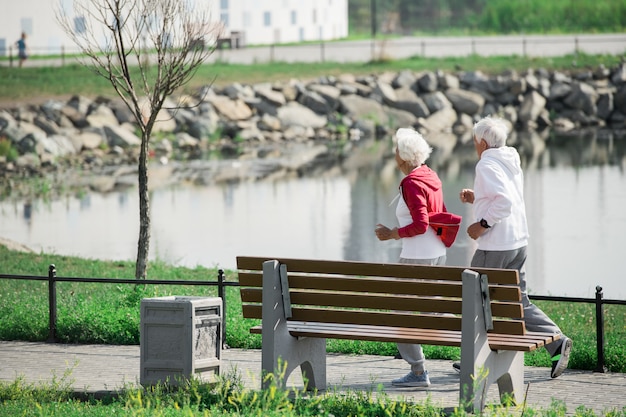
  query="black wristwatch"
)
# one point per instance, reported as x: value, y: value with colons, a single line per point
x: 484, y: 223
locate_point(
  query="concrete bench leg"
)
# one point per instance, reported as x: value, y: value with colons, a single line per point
x: 480, y: 366
x: 508, y: 372
x: 281, y: 352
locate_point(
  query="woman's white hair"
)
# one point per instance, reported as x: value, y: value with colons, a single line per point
x: 493, y: 131
x: 412, y: 147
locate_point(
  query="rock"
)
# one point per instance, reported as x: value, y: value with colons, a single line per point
x: 101, y: 116
x: 273, y: 97
x: 118, y: 136
x: 464, y: 101
x: 408, y: 100
x: 532, y: 105
x: 58, y: 146
x: 88, y: 139
x: 428, y: 82
x: 359, y: 107
x: 445, y: 80
x: 315, y: 102
x: 404, y: 79
x: 436, y: 101
x: 440, y: 121
x: 231, y: 109
x: 386, y: 92
x: 582, y: 97
x: 294, y: 114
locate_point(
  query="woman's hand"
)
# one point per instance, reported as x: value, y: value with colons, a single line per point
x: 385, y: 233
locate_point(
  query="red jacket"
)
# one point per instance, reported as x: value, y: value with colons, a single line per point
x: 422, y: 192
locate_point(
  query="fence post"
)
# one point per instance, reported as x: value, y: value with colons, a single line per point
x: 600, y: 331
x: 62, y: 55
x: 271, y: 53
x: 222, y: 294
x: 322, y: 54
x: 52, y: 303
x: 524, y: 47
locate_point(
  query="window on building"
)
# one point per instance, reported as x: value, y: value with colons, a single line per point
x: 224, y: 4
x: 267, y: 18
x: 224, y: 18
x: 314, y: 16
x: 80, y: 26
x: 247, y: 19
x: 294, y: 17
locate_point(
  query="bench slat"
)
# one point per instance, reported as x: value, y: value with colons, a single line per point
x: 381, y: 285
x: 451, y: 273
x: 390, y: 318
x: 404, y: 335
x: 399, y: 302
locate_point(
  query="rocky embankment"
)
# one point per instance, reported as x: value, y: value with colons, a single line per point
x: 250, y: 132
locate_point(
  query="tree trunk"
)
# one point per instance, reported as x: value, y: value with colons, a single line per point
x: 143, y: 245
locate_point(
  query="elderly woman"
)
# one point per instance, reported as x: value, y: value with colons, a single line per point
x: 420, y: 195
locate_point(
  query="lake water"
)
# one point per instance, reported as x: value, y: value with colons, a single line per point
x: 576, y: 212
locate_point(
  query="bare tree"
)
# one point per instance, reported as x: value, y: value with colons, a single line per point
x: 147, y: 49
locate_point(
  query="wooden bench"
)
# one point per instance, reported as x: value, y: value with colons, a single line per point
x: 303, y: 302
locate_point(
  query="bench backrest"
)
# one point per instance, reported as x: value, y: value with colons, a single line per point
x: 397, y: 295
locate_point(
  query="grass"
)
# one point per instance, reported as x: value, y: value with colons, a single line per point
x: 109, y: 313
x: 22, y: 84
x: 228, y: 397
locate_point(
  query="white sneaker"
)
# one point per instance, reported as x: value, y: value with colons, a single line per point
x: 561, y: 357
x: 412, y: 380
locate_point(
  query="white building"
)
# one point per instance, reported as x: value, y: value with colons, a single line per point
x: 283, y: 21
x: 259, y: 22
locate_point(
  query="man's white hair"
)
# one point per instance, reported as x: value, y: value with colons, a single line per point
x: 412, y: 147
x: 494, y: 131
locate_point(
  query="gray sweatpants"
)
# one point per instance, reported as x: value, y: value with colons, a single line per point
x: 535, y: 319
x: 414, y: 354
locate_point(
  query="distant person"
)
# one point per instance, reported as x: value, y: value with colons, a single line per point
x: 500, y: 228
x: 22, y: 49
x: 420, y: 195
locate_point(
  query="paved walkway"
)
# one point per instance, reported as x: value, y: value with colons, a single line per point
x: 405, y: 47
x: 95, y: 368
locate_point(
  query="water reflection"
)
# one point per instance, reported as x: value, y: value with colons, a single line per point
x: 575, y: 193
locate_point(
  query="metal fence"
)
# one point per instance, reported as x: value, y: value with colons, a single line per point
x: 52, y: 280
x: 221, y: 285
x: 373, y: 49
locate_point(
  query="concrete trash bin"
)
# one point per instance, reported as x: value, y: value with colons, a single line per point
x: 180, y: 337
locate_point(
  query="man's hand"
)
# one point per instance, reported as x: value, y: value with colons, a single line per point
x: 475, y: 230
x: 467, y: 196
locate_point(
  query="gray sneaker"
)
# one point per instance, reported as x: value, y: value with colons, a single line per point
x: 561, y: 357
x: 412, y: 380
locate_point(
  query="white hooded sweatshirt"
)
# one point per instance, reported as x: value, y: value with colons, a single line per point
x: 499, y: 199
